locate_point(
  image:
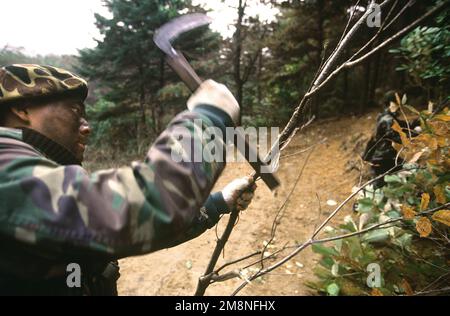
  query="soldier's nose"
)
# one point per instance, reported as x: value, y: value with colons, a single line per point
x: 85, y: 129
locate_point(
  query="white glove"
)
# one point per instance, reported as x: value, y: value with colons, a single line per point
x: 239, y: 193
x: 217, y: 95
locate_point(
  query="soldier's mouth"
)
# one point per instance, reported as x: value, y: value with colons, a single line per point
x: 81, y: 147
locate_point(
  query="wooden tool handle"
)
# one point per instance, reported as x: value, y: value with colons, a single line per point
x: 182, y: 67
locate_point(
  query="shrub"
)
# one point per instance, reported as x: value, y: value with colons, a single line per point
x: 414, y: 251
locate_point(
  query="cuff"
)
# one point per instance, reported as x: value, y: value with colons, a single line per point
x: 219, y: 118
x: 215, y: 206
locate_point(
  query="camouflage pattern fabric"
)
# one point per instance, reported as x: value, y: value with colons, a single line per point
x: 63, y: 212
x: 21, y: 82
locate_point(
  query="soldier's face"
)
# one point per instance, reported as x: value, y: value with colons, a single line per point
x: 65, y: 123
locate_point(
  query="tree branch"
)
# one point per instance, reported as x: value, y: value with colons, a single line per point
x: 352, y: 63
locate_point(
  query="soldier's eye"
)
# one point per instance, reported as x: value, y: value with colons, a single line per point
x: 77, y: 110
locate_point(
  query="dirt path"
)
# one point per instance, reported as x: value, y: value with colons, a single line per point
x: 327, y: 176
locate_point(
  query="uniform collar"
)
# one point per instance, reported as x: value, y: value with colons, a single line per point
x: 43, y: 144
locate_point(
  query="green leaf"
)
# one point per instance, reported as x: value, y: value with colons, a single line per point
x: 365, y: 205
x: 376, y: 236
x: 326, y: 251
x: 333, y: 289
x: 392, y: 179
x: 354, y: 246
x: 403, y: 241
x: 327, y: 262
x: 393, y: 214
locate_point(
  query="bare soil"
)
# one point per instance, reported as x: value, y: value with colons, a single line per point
x: 330, y: 174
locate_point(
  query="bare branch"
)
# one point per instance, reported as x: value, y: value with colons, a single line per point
x: 338, y: 51
x: 351, y: 63
x: 342, y: 37
x: 404, y: 31
x: 202, y: 284
x: 381, y: 29
x: 237, y: 261
x: 305, y: 150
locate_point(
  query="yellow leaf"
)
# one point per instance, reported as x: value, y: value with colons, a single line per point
x: 439, y: 128
x: 416, y: 157
x: 425, y: 201
x: 440, y: 195
x: 426, y: 140
x: 408, y: 212
x: 433, y: 144
x: 398, y: 129
x: 396, y: 146
x: 376, y: 292
x: 423, y: 227
x: 442, y: 141
x: 408, y: 289
x: 442, y: 117
x: 442, y: 216
x: 397, y: 98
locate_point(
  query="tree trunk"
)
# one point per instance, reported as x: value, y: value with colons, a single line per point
x: 237, y: 57
x: 320, y: 48
x: 365, y: 96
x: 141, y: 94
x: 162, y: 82
x: 259, y: 78
x: 376, y: 72
x: 345, y: 88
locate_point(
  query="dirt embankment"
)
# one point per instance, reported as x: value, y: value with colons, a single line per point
x: 330, y: 174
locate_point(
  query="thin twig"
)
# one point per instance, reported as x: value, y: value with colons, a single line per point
x: 348, y: 199
x: 238, y: 260
x: 380, y: 30
x: 304, y: 150
x: 443, y: 290
x: 351, y: 63
x: 347, y: 38
x: 283, y: 207
x: 352, y: 14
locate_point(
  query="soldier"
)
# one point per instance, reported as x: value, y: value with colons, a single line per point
x: 379, y: 150
x: 53, y: 212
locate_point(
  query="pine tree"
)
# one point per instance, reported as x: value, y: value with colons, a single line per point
x: 128, y: 64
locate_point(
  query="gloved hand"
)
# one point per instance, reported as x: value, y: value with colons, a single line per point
x: 217, y: 95
x: 239, y: 193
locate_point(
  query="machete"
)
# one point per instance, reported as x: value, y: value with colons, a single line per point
x: 163, y: 38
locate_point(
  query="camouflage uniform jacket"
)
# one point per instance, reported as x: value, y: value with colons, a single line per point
x: 51, y: 213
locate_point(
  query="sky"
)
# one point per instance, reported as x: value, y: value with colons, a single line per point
x: 63, y: 26
x: 49, y: 26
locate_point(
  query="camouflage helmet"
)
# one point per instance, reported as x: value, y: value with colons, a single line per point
x: 25, y: 82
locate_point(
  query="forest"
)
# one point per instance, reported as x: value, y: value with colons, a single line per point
x: 326, y: 73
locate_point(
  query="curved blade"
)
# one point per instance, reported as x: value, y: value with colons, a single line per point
x: 171, y: 30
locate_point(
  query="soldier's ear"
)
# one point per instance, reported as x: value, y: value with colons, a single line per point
x: 21, y: 113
